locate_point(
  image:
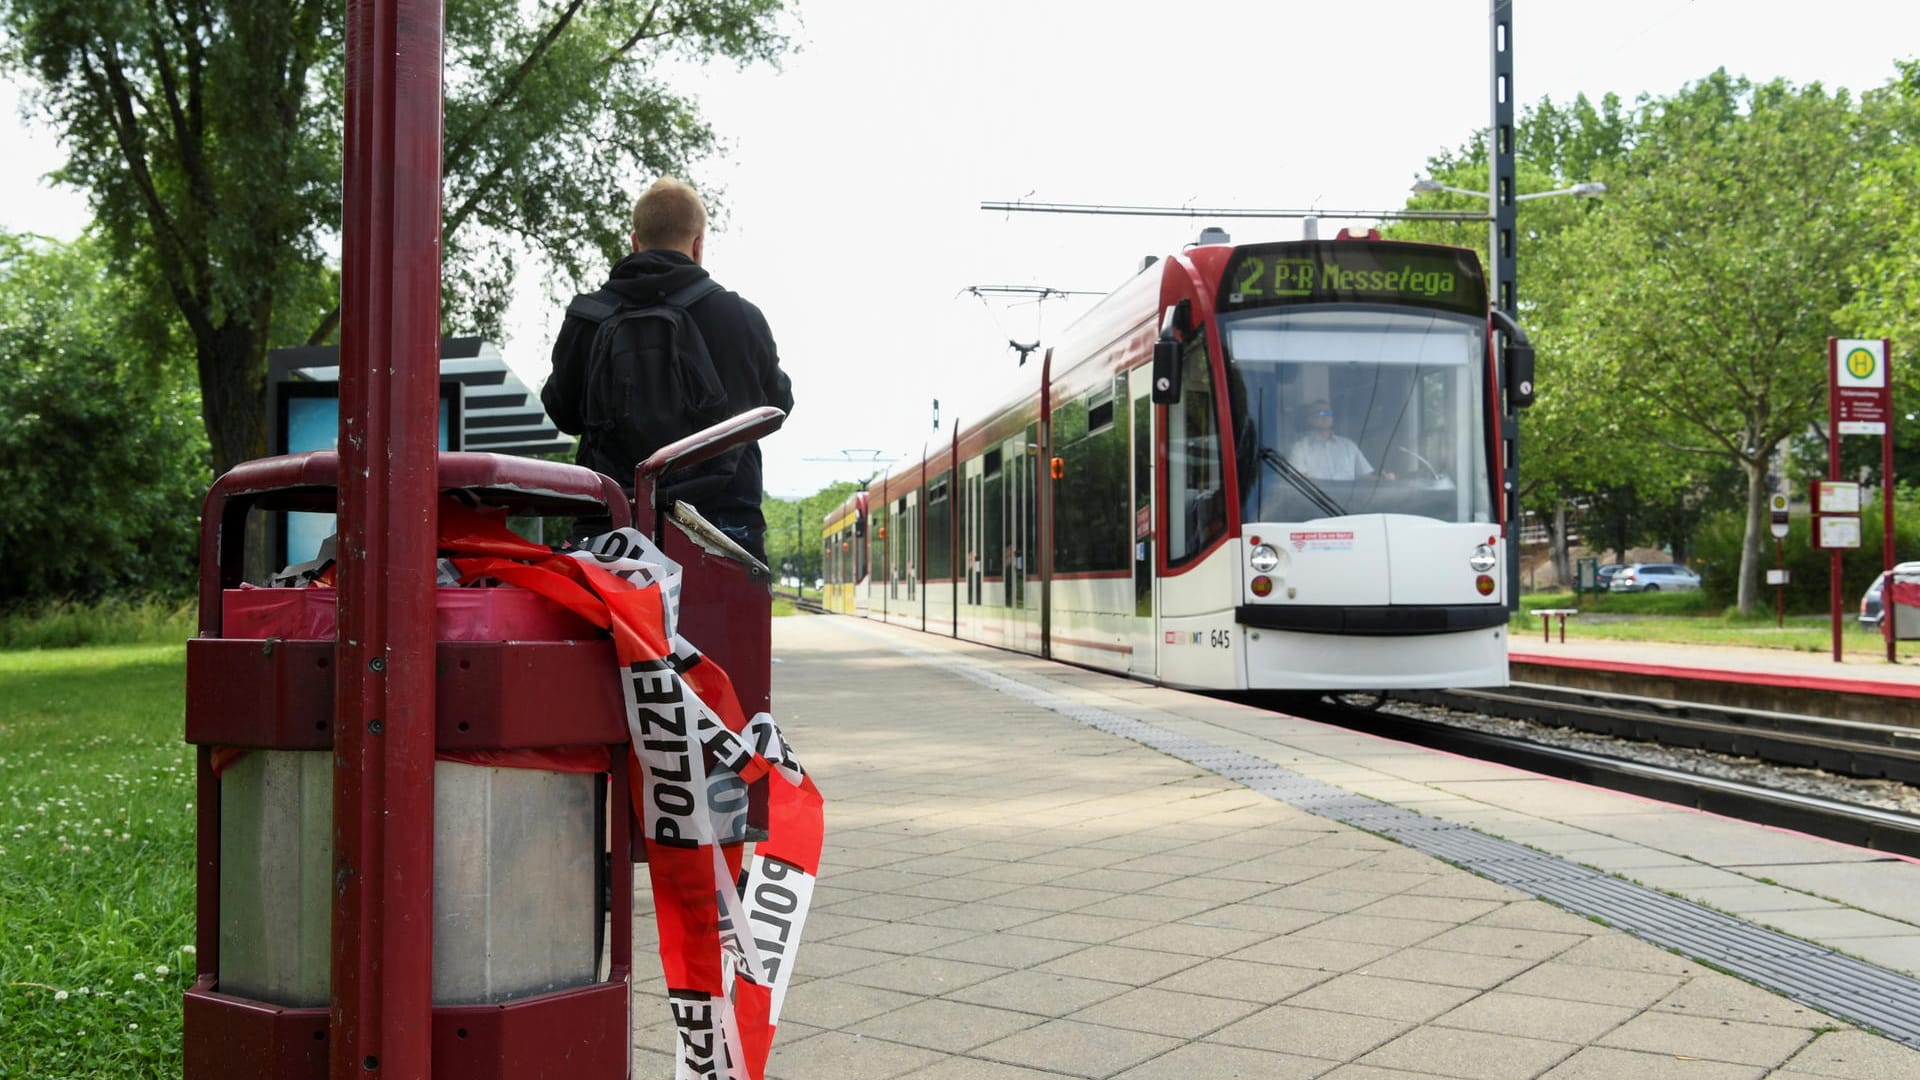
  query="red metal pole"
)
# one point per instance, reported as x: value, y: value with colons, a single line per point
x: 1886, y: 504
x: 1833, y: 473
x: 382, y: 965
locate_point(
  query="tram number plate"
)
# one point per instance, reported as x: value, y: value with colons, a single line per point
x: 1215, y: 639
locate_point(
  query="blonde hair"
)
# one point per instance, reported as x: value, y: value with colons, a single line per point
x: 668, y: 215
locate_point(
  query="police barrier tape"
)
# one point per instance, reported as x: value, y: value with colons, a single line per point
x: 727, y: 937
x: 729, y: 926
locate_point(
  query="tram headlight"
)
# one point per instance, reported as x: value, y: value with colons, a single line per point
x: 1483, y: 558
x: 1263, y: 558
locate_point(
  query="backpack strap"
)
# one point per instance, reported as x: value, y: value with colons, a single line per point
x: 693, y: 294
x: 595, y: 307
x: 601, y: 305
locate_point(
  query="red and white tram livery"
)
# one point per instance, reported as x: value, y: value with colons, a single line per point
x: 1271, y: 466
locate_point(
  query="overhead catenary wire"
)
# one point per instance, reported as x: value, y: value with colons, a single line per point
x: 1039, y: 293
x: 1020, y: 206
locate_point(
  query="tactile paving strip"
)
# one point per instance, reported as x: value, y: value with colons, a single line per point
x: 1854, y: 990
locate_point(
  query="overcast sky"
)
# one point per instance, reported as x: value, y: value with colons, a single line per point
x: 852, y: 177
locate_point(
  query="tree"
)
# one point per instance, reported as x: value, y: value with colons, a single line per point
x: 794, y: 528
x: 1712, y: 281
x: 98, y: 444
x: 1572, y: 446
x: 1886, y: 301
x: 208, y: 136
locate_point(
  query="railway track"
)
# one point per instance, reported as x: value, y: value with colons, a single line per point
x: 1843, y: 747
x: 1786, y: 745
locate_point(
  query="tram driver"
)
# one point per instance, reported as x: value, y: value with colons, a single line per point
x: 1322, y: 454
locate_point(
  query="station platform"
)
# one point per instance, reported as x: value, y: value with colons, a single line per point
x: 1036, y: 871
x: 1863, y: 687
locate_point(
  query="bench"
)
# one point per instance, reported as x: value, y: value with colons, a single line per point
x: 1546, y: 622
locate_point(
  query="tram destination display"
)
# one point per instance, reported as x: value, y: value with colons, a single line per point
x: 1348, y: 272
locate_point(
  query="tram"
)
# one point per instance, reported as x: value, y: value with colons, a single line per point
x: 843, y: 553
x: 1263, y: 466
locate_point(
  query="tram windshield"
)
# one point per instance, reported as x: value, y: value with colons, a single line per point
x: 1359, y: 410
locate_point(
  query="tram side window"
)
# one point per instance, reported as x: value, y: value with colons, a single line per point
x: 1196, y: 492
x: 1090, y: 498
x: 939, y: 525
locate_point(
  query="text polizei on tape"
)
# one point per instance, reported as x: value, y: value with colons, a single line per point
x: 727, y: 938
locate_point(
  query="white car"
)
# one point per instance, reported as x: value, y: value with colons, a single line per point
x: 1654, y: 577
x: 1870, y: 606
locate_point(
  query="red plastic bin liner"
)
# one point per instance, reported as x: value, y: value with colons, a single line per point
x: 505, y: 613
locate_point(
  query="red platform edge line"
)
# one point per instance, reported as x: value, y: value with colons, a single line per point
x: 1758, y: 678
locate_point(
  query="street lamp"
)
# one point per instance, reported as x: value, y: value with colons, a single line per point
x: 1500, y: 249
x: 1585, y: 191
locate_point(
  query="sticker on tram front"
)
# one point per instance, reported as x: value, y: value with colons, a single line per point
x: 1321, y: 541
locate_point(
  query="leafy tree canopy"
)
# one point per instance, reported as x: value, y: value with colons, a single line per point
x: 794, y: 527
x: 208, y: 137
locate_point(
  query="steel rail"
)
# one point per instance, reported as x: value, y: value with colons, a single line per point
x: 1847, y: 747
x: 1862, y: 826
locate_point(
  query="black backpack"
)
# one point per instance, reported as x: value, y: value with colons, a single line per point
x: 649, y: 379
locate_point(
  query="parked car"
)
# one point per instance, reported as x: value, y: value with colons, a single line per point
x: 1603, y: 574
x: 1871, y: 610
x: 1653, y: 577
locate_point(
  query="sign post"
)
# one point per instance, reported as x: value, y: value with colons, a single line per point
x: 1836, y: 522
x: 1778, y: 579
x: 1860, y: 402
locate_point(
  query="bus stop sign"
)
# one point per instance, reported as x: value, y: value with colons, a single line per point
x: 1779, y: 512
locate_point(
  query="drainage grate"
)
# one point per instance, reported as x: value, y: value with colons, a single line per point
x: 1811, y: 974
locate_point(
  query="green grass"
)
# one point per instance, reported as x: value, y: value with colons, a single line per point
x: 1686, y: 618
x: 96, y: 861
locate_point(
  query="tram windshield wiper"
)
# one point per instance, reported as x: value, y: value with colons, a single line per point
x: 1278, y: 462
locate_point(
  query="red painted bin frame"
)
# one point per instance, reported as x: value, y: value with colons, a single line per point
x: 490, y: 695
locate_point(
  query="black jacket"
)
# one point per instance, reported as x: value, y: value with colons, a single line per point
x: 743, y: 352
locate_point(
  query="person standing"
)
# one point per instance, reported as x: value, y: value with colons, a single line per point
x: 669, y: 239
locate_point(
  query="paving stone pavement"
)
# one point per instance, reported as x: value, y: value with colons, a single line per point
x: 1007, y: 894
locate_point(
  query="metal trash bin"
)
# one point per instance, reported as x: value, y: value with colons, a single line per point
x: 532, y: 913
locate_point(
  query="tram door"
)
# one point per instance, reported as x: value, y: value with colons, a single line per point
x: 1145, y: 634
x: 1020, y: 519
x: 970, y: 538
x: 903, y: 561
x: 1025, y: 526
x: 1019, y: 481
x: 912, y: 560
